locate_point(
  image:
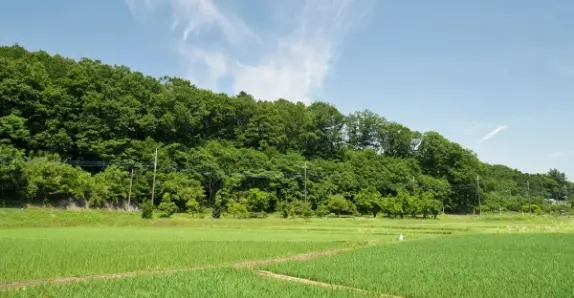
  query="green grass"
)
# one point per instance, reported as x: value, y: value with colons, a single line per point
x: 90, y: 247
x: 207, y: 283
x: 511, y: 265
x: 45, y: 253
x: 190, y: 234
x: 37, y: 217
x: 366, y: 226
x: 502, y: 256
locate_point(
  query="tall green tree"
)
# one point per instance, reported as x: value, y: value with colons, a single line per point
x: 76, y: 130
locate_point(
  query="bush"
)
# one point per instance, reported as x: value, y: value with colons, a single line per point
x: 257, y: 200
x: 514, y: 206
x: 367, y: 200
x: 257, y: 215
x: 430, y: 206
x: 322, y: 211
x: 392, y: 207
x: 535, y: 209
x: 286, y: 209
x: 487, y: 208
x: 216, y: 211
x: 147, y: 209
x: 192, y: 206
x: 237, y: 210
x: 332, y: 215
x: 301, y: 208
x: 339, y: 205
x: 307, y: 213
x: 167, y: 208
x: 559, y: 208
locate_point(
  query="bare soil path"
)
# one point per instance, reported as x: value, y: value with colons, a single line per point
x: 319, y: 284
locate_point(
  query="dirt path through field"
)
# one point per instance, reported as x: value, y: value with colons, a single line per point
x: 318, y: 283
x: 301, y: 257
x: 26, y: 283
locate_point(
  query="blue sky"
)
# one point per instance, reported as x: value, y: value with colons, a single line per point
x: 495, y: 76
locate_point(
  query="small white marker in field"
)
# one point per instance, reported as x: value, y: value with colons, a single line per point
x: 401, y: 237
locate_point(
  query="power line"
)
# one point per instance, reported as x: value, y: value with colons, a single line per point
x: 320, y: 174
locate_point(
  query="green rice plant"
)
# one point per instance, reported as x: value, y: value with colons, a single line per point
x: 199, y: 234
x: 205, y: 283
x: 48, y: 253
x: 502, y: 265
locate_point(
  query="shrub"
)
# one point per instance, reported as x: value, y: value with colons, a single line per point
x: 285, y: 213
x: 322, y: 211
x: 257, y: 200
x: 301, y: 208
x: 192, y: 206
x: 367, y: 201
x: 339, y: 205
x: 147, y: 209
x: 487, y: 208
x: 216, y: 211
x: 429, y: 205
x: 167, y: 208
x: 514, y: 206
x: 307, y: 212
x: 559, y: 208
x: 257, y: 215
x: 238, y: 210
x: 535, y: 209
x: 286, y: 209
x: 392, y: 207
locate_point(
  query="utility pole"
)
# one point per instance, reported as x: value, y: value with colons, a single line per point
x: 131, y: 184
x: 528, y: 195
x: 154, y: 172
x: 305, y: 182
x: 478, y: 194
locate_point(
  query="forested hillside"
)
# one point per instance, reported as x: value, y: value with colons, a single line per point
x: 78, y: 130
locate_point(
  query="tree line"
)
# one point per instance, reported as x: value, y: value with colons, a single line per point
x: 86, y: 132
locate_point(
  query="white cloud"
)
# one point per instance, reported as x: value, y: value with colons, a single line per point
x: 562, y: 154
x: 493, y: 133
x: 215, y: 64
x: 477, y: 127
x: 289, y: 58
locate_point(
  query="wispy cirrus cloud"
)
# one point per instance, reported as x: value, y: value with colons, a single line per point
x: 493, y: 133
x: 477, y: 127
x: 561, y: 154
x: 289, y: 57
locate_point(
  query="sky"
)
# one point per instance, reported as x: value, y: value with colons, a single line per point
x: 495, y: 76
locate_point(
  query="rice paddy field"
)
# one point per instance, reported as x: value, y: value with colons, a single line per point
x: 57, y: 253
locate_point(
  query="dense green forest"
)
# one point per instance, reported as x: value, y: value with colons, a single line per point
x: 86, y: 133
